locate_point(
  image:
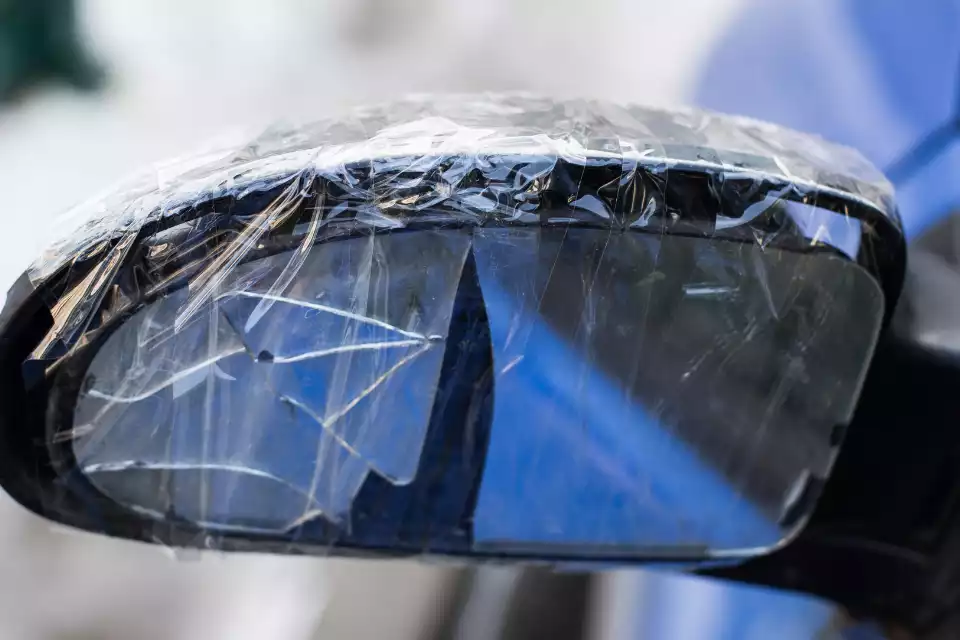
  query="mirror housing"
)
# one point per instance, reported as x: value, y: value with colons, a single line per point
x: 497, y: 327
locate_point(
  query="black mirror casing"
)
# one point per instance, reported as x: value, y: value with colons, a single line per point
x: 525, y: 213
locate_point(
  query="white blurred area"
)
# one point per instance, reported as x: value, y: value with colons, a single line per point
x: 183, y: 71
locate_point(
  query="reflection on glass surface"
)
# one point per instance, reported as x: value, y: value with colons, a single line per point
x: 536, y: 390
x: 662, y: 391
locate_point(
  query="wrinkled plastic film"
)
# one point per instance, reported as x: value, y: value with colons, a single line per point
x: 475, y: 161
x: 400, y: 143
x: 235, y: 387
x: 271, y: 331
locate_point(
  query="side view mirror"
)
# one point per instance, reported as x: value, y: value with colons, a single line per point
x: 494, y: 328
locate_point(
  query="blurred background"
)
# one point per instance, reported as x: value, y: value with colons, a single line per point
x: 91, y: 90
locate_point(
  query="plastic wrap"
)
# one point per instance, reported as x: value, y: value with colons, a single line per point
x: 250, y: 340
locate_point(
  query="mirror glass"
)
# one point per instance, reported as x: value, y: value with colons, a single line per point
x: 538, y: 391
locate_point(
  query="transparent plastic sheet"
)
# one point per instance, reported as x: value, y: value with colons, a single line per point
x: 266, y: 333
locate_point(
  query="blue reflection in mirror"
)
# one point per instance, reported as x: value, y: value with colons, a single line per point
x: 522, y: 391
